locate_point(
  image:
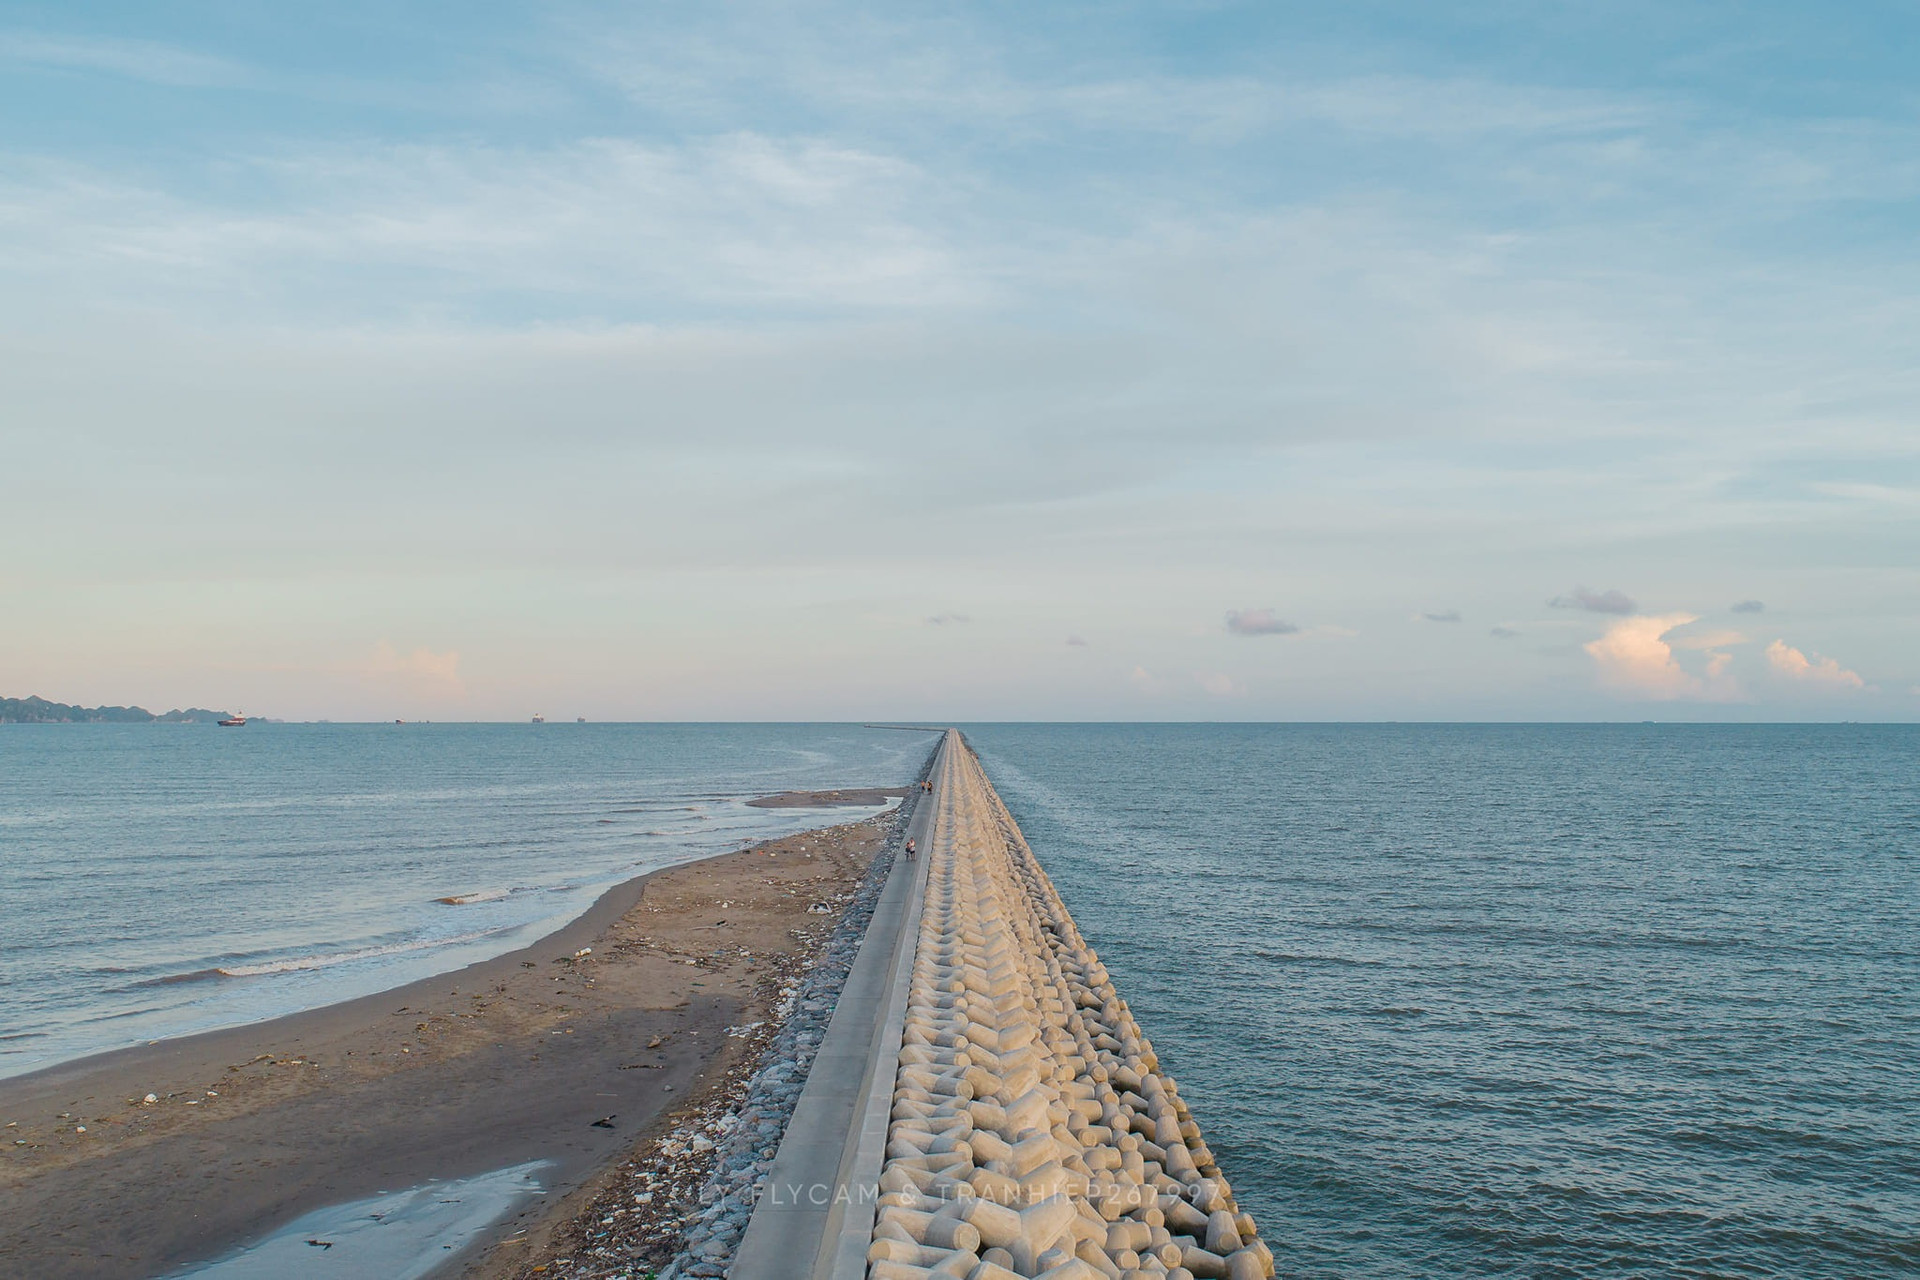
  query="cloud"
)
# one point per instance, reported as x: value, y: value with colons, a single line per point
x: 1636, y: 657
x: 423, y: 669
x: 1076, y: 642
x: 948, y: 620
x: 1503, y: 633
x: 1823, y: 672
x: 1712, y: 638
x: 1219, y: 684
x: 1451, y: 615
x: 1258, y: 622
x: 1595, y: 601
x: 754, y: 222
x: 135, y: 59
x: 665, y: 302
x: 1750, y: 606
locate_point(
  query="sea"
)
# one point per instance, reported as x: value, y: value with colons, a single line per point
x: 1448, y: 1000
x: 162, y: 879
x: 1505, y: 1000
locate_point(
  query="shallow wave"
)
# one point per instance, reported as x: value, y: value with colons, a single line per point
x: 172, y: 979
x: 322, y: 847
x: 325, y: 961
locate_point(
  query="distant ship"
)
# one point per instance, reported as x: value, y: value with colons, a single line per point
x: 579, y: 719
x: 539, y: 719
x: 233, y: 721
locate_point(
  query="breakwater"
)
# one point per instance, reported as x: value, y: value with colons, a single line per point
x: 1032, y: 1130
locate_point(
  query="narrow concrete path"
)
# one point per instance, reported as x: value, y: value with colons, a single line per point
x: 818, y: 1201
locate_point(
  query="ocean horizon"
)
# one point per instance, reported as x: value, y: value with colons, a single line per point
x: 1530, y: 999
x: 1541, y: 1000
x: 168, y: 883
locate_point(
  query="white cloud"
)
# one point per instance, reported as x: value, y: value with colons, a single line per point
x: 1867, y: 492
x: 961, y: 74
x: 1818, y: 671
x: 1636, y: 657
x: 1219, y: 684
x: 731, y: 220
x: 846, y: 304
x: 135, y: 59
x: 1687, y: 637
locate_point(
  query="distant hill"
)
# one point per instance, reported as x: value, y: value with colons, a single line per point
x: 40, y: 711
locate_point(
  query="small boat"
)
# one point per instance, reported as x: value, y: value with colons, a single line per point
x: 579, y: 719
x: 233, y: 721
x: 539, y: 719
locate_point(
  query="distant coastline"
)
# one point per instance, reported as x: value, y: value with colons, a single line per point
x: 40, y: 711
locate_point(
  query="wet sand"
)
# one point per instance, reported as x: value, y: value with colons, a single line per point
x: 535, y: 1055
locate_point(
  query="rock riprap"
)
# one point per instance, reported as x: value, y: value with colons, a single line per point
x: 1032, y: 1130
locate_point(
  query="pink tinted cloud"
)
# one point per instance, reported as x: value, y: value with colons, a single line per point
x: 1636, y: 657
x: 1825, y: 672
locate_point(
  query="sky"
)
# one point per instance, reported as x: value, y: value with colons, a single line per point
x: 963, y: 361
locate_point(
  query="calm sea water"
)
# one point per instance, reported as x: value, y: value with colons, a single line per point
x: 1532, y: 1001
x: 1450, y: 1000
x: 160, y: 879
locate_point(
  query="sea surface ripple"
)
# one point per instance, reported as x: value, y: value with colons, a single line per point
x: 161, y: 879
x: 1553, y: 1001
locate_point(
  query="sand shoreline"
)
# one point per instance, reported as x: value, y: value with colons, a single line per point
x: 507, y: 1060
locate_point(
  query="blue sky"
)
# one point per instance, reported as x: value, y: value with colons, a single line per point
x: 758, y: 361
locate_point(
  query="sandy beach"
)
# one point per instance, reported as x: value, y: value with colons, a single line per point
x: 571, y: 1051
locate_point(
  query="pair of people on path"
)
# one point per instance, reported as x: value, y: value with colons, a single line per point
x: 928, y: 788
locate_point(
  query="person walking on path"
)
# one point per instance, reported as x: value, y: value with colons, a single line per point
x: 909, y: 849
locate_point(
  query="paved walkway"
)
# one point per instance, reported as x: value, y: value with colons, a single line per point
x: 818, y: 1203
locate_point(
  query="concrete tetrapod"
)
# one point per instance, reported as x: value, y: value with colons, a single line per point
x: 1032, y: 1131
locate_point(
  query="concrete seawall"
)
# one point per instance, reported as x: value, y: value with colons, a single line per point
x: 1011, y: 1118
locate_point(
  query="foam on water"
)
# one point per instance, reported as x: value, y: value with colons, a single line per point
x: 296, y: 964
